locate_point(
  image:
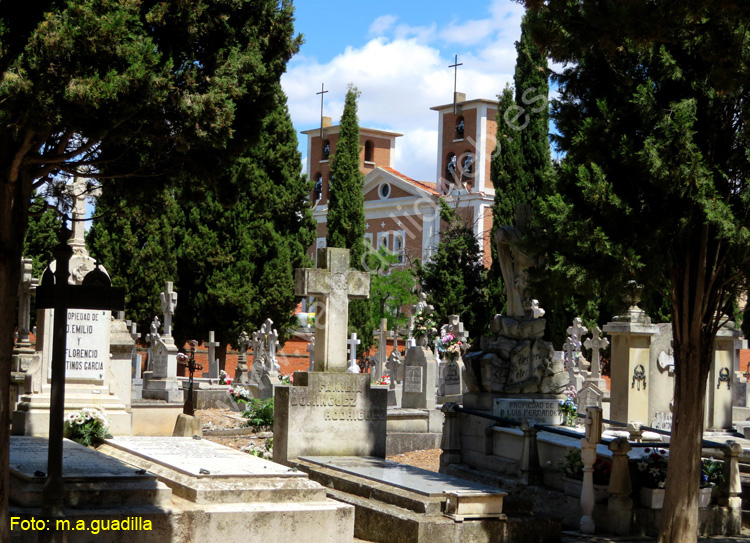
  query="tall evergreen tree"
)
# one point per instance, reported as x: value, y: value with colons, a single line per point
x: 346, y: 209
x: 136, y: 244
x: 454, y: 278
x: 41, y: 235
x: 127, y: 89
x: 653, y: 122
x: 233, y: 267
x: 236, y: 266
x: 520, y: 166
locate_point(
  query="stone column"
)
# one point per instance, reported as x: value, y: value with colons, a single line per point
x: 451, y: 441
x: 629, y: 369
x: 731, y: 490
x: 620, y: 505
x: 531, y: 473
x: 719, y: 385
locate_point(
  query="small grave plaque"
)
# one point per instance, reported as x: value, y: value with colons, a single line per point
x: 452, y: 378
x: 662, y: 421
x: 413, y: 379
x: 544, y: 411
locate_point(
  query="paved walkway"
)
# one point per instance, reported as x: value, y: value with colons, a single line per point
x: 574, y: 537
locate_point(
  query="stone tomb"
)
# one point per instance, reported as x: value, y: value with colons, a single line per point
x: 241, y: 497
x: 329, y: 414
x: 91, y: 479
x: 419, y: 379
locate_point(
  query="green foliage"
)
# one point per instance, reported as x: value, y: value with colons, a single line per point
x: 454, y: 278
x: 520, y: 167
x: 232, y: 268
x: 41, y: 235
x: 346, y: 210
x: 391, y: 288
x: 259, y: 413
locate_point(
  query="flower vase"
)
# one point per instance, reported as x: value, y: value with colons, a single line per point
x: 653, y: 498
x: 422, y: 341
x: 704, y: 496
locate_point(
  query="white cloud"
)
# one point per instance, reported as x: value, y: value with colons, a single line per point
x: 382, y: 24
x: 402, y: 73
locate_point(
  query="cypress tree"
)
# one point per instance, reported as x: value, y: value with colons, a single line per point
x: 454, y: 278
x: 346, y: 209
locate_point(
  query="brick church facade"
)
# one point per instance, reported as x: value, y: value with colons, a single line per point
x: 401, y: 213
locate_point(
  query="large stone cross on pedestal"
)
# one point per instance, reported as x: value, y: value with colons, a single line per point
x: 333, y: 284
x: 80, y: 190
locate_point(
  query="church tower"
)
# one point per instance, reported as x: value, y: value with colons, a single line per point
x: 466, y: 142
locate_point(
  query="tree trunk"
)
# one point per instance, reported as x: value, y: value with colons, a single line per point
x: 679, y: 521
x: 15, y: 196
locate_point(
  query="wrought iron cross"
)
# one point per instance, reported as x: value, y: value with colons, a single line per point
x: 192, y: 366
x: 322, y: 92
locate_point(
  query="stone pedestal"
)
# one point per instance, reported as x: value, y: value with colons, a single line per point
x: 631, y: 343
x: 162, y: 383
x: 329, y: 414
x: 95, y: 376
x: 419, y: 379
x: 719, y: 385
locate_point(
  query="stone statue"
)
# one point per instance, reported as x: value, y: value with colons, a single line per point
x: 515, y: 262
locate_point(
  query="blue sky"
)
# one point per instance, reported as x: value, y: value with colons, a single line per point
x: 397, y: 54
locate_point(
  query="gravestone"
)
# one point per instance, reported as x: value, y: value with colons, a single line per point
x: 596, y: 343
x: 161, y: 382
x: 452, y: 381
x: 718, y: 413
x: 137, y: 385
x: 419, y: 379
x: 95, y: 375
x: 151, y: 339
x: 264, y: 375
x: 329, y: 411
x: 241, y: 376
x: 395, y: 367
x: 213, y: 362
x: 590, y: 395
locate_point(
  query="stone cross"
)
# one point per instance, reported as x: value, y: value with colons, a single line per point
x: 456, y: 327
x: 408, y: 332
x: 213, y: 362
x: 596, y: 343
x: 353, y: 342
x: 382, y: 334
x: 79, y: 190
x: 26, y: 285
x: 333, y: 284
x: 578, y: 329
x: 536, y: 311
x: 168, y: 305
x: 311, y: 351
x: 241, y: 374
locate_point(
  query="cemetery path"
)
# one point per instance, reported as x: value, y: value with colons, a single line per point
x: 428, y: 459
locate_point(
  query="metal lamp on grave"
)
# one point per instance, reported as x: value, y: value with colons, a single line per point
x: 95, y: 292
x: 192, y: 366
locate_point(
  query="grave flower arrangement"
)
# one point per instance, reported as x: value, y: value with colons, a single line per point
x: 450, y: 346
x: 570, y: 411
x: 224, y: 378
x: 286, y: 379
x: 384, y: 380
x: 88, y: 426
x: 712, y: 472
x: 572, y: 465
x: 652, y: 468
x: 424, y: 327
x: 240, y: 394
x: 602, y: 471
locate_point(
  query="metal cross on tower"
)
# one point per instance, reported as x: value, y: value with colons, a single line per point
x: 322, y: 92
x: 455, y: 66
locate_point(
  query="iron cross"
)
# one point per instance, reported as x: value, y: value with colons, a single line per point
x: 322, y: 92
x: 455, y: 66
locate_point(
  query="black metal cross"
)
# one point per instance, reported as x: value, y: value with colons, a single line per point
x: 192, y: 367
x: 322, y: 92
x: 95, y: 292
x: 455, y: 66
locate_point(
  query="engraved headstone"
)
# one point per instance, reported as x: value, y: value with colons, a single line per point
x: 452, y: 383
x: 413, y: 376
